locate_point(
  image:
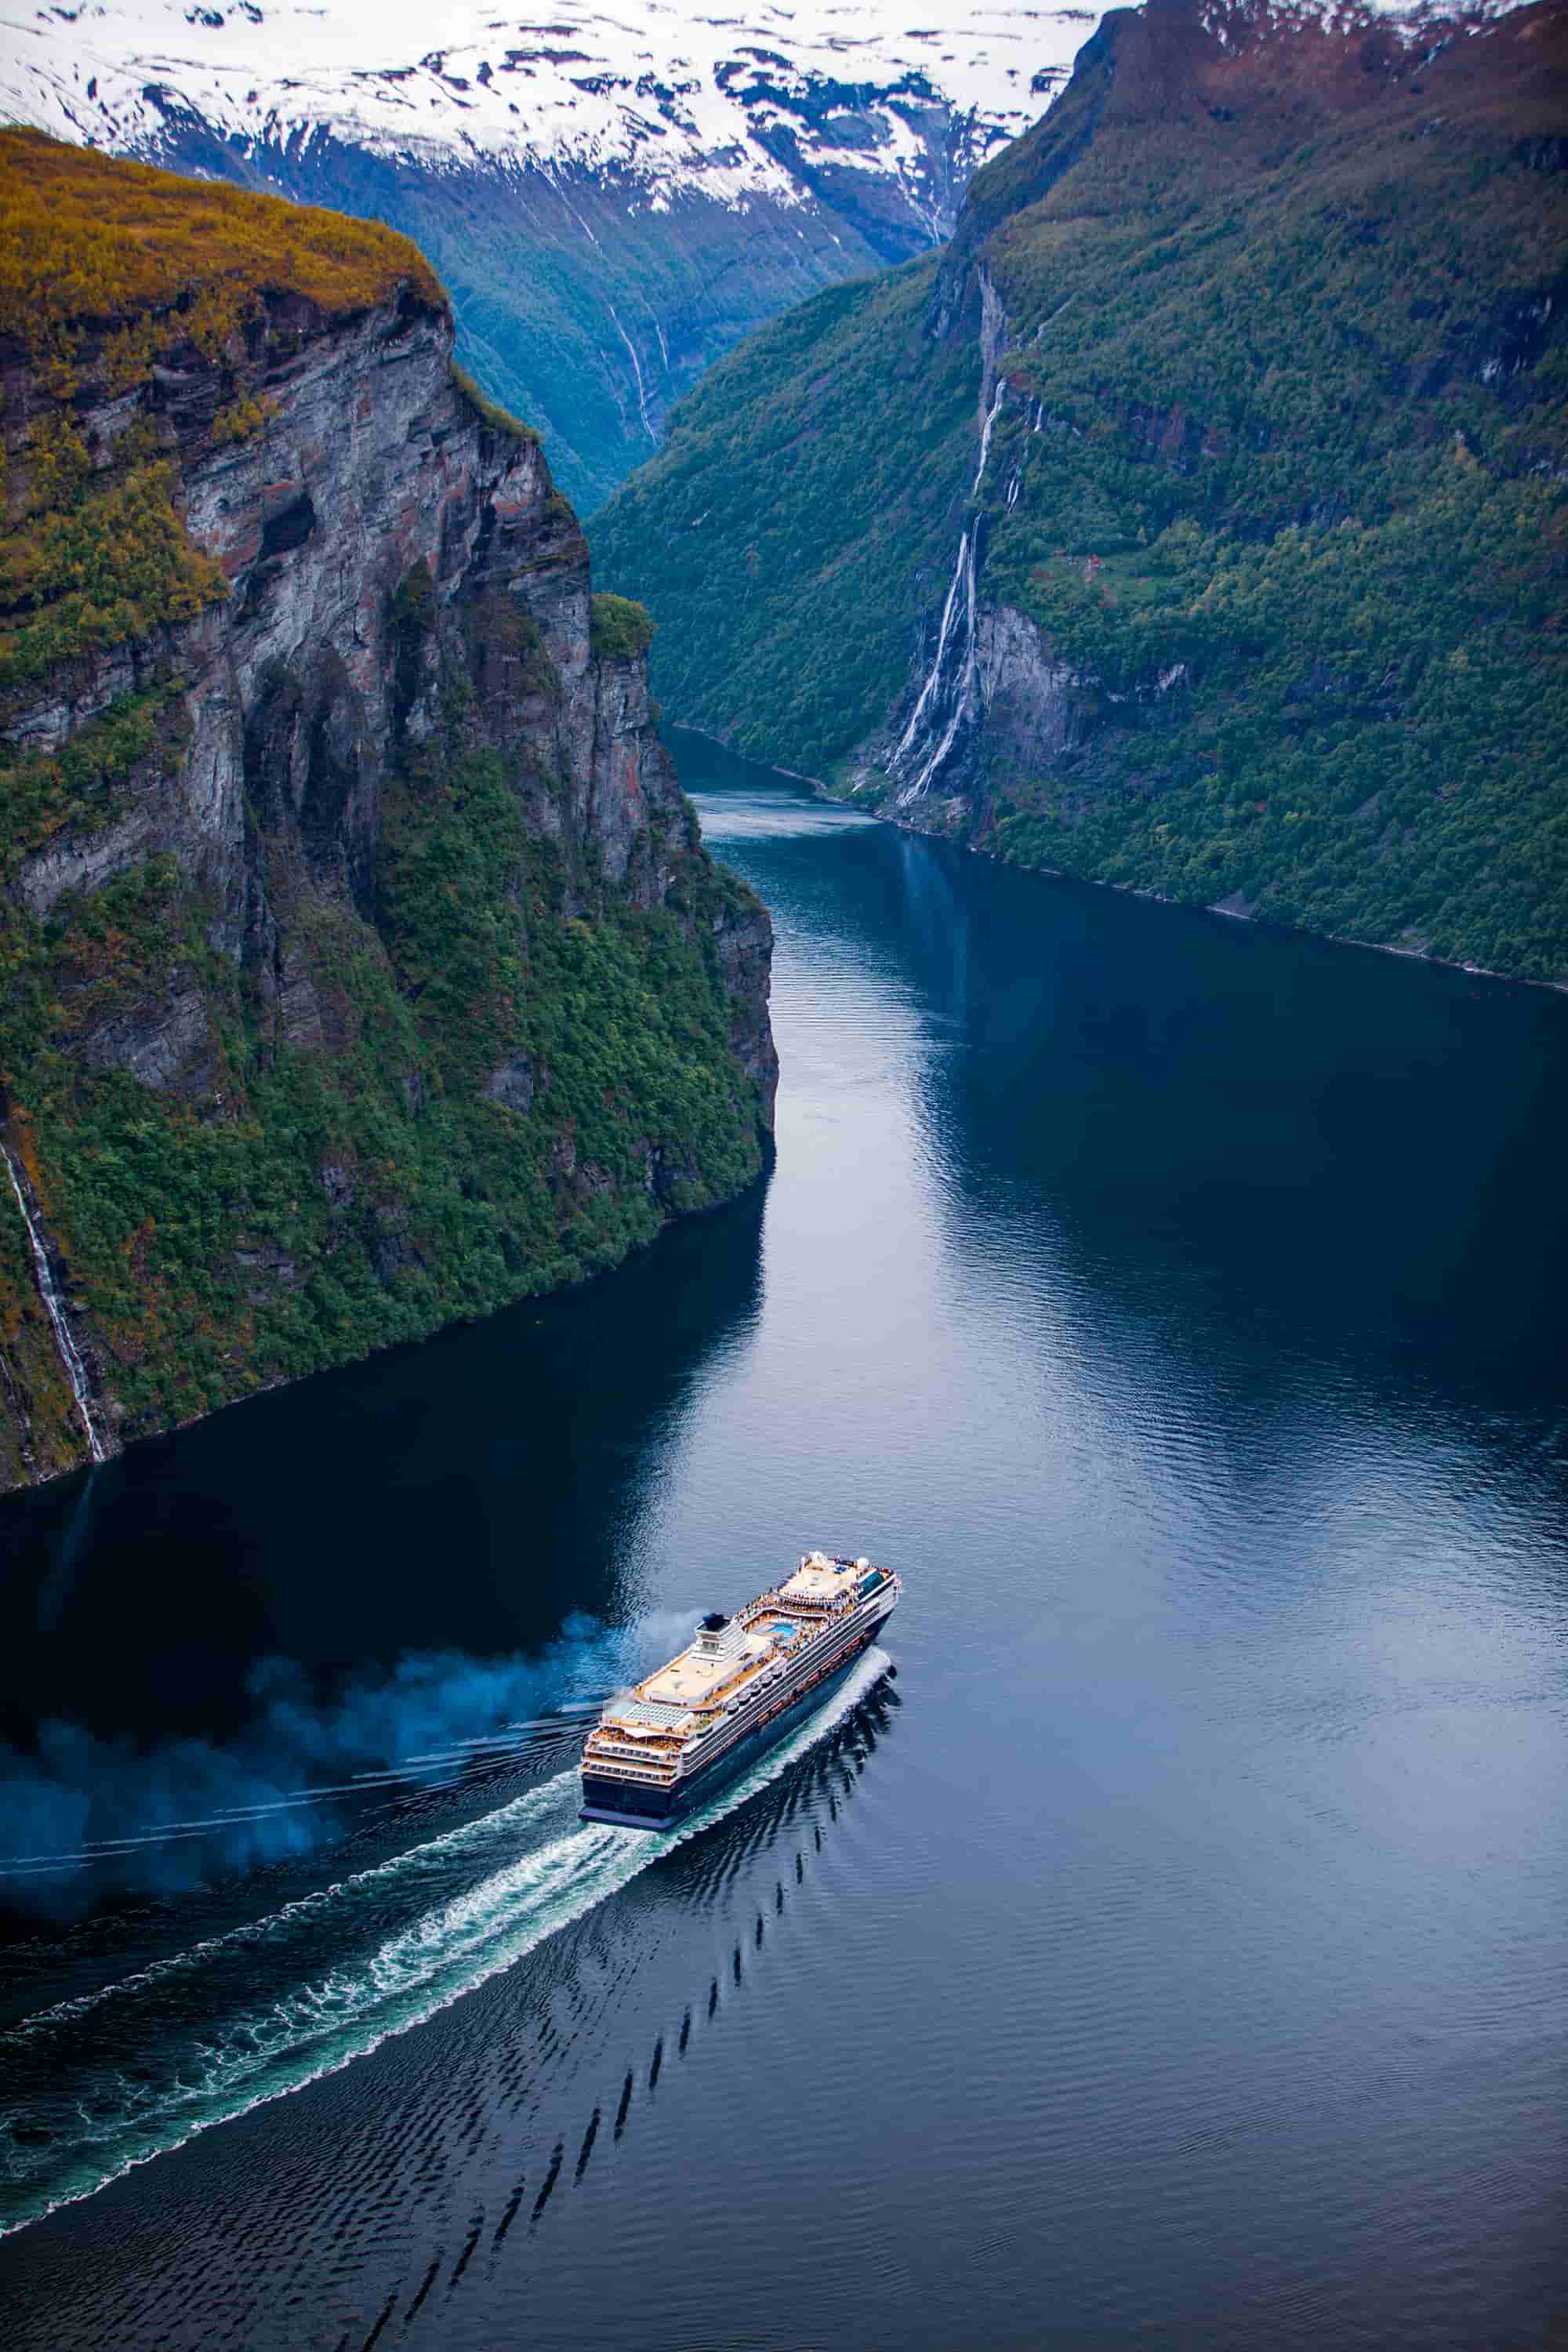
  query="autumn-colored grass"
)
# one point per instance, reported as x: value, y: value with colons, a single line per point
x: 105, y: 266
x: 92, y: 240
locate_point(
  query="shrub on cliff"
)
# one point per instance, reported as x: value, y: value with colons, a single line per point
x: 619, y: 629
x: 491, y: 411
x: 105, y: 269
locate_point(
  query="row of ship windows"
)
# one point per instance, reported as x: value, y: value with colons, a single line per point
x: 750, y: 1701
x: 626, y: 1771
x: 746, y: 1713
x: 621, y: 1770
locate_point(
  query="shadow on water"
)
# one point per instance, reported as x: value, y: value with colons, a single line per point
x: 355, y: 1568
x: 144, y: 2065
x: 1271, y: 1122
x: 1257, y: 1125
x: 1178, y: 1304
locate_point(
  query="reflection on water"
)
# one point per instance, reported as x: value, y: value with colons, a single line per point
x: 143, y: 1592
x: 1173, y: 1954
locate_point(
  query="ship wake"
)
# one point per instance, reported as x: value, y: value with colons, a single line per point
x: 99, y: 2084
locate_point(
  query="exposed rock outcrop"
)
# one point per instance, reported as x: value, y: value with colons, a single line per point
x: 387, y: 810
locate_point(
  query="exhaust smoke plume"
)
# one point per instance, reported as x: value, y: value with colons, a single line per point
x: 83, y: 1815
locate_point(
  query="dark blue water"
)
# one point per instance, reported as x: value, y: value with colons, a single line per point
x: 1171, y: 1954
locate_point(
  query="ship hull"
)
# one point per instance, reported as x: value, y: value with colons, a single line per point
x: 632, y: 1806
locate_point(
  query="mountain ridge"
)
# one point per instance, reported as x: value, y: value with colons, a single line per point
x: 1134, y: 580
x: 611, y: 201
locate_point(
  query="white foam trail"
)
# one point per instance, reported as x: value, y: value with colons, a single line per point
x: 308, y: 1907
x: 322, y: 2026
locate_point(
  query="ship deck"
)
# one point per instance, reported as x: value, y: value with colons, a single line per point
x: 768, y: 1628
x: 693, y: 1681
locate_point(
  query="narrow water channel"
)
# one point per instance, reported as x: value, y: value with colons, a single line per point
x: 1169, y: 1953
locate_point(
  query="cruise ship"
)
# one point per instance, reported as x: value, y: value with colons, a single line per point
x: 667, y: 1744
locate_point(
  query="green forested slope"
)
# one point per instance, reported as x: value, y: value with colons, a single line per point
x: 1283, y: 423
x: 774, y: 533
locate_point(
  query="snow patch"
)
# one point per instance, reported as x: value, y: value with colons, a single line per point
x: 677, y: 100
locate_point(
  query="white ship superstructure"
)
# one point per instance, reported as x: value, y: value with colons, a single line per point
x: 688, y: 1727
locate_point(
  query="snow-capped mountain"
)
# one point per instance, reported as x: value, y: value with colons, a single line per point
x: 682, y: 99
x: 615, y: 194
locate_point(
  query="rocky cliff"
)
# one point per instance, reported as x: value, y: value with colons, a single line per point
x: 614, y: 198
x: 364, y: 966
x: 1199, y: 521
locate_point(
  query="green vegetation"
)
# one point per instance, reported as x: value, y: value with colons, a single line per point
x: 479, y: 1073
x: 491, y: 411
x: 240, y: 421
x: 772, y: 534
x: 76, y: 785
x: 304, y: 1206
x: 1286, y: 417
x: 106, y: 560
x: 619, y: 630
x: 107, y: 268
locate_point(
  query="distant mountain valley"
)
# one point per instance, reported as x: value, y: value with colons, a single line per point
x: 1196, y: 521
x: 612, y: 199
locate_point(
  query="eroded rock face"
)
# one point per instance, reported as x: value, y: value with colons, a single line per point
x: 371, y: 466
x: 744, y: 936
x: 405, y: 585
x: 1032, y: 703
x: 513, y: 1083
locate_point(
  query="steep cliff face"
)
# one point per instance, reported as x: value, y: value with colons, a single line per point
x: 1197, y: 523
x: 614, y: 197
x: 365, y: 967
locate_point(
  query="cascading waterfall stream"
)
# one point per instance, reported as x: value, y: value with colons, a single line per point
x: 951, y: 696
x: 69, y: 1356
x: 986, y: 431
x: 947, y: 698
x: 957, y: 693
x: 636, y: 370
x: 932, y: 677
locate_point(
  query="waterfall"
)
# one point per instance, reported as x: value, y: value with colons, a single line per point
x: 949, y: 692
x: 75, y: 1371
x: 955, y: 590
x: 636, y: 370
x: 996, y: 399
x: 949, y: 697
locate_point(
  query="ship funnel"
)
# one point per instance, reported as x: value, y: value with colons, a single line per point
x: 709, y: 1627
